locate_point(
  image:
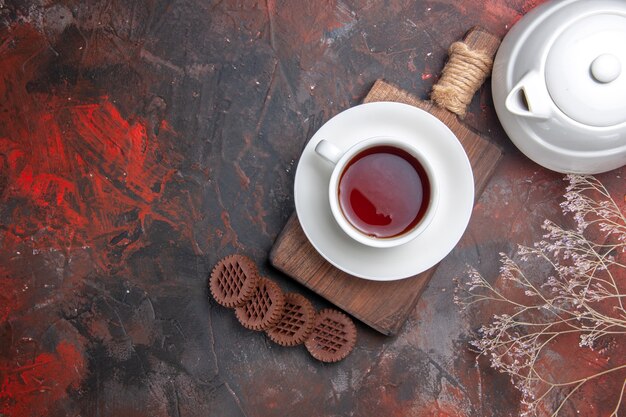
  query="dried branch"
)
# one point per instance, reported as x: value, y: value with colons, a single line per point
x: 584, y: 296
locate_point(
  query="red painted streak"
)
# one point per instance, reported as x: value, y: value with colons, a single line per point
x: 119, y: 150
x: 498, y: 16
x: 229, y: 236
x: 72, y: 169
x: 28, y: 389
x: 74, y: 166
x: 165, y: 126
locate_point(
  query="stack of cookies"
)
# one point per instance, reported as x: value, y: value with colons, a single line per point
x: 287, y: 319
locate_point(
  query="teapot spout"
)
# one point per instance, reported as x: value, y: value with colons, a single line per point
x: 530, y: 98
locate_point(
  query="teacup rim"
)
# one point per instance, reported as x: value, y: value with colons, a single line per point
x: 337, y: 213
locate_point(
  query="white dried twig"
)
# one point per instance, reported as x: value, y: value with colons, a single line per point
x: 585, y: 296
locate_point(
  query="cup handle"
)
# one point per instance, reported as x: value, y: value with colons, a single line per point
x: 328, y: 151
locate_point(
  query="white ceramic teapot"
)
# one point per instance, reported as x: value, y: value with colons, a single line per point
x: 559, y: 85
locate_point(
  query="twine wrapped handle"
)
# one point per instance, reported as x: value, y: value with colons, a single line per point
x: 467, y: 68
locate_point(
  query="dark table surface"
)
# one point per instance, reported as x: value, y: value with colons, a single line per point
x: 140, y: 142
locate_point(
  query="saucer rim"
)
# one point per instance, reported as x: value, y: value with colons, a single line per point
x: 441, y: 146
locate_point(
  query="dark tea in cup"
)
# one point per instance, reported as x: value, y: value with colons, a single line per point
x: 384, y: 191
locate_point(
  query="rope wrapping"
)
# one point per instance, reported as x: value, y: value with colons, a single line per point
x: 462, y: 76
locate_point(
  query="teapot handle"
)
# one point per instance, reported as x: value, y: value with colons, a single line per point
x: 529, y: 98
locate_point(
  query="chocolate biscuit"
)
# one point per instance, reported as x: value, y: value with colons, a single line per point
x: 264, y: 309
x: 333, y: 336
x: 234, y: 280
x: 296, y: 323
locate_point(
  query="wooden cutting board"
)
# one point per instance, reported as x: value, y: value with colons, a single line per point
x: 384, y: 306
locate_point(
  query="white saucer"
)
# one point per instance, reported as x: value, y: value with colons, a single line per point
x: 449, y: 161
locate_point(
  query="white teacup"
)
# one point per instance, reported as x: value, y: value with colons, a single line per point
x: 383, y: 192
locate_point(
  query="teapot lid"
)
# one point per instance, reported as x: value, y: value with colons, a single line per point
x: 586, y: 69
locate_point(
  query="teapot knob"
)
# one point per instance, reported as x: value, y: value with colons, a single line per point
x: 606, y: 68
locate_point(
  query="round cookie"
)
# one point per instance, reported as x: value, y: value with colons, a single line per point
x: 296, y: 323
x: 234, y: 280
x: 333, y: 336
x: 264, y: 309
